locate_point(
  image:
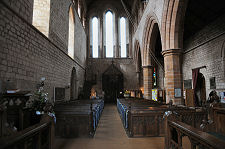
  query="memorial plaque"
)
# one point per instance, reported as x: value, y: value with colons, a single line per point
x: 59, y: 93
x: 188, y: 84
x: 177, y: 92
x: 212, y: 81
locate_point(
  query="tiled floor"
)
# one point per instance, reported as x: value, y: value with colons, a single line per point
x: 110, y: 134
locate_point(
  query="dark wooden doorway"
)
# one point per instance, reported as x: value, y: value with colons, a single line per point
x: 112, y: 83
x: 73, y: 85
x: 200, y: 91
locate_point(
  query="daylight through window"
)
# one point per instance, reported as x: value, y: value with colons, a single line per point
x: 123, y: 37
x: 95, y: 37
x: 109, y: 34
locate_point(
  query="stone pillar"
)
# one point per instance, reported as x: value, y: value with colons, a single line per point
x: 173, y: 77
x: 147, y: 76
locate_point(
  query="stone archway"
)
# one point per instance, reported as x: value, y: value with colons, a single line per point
x: 138, y: 60
x: 139, y: 68
x: 151, y: 31
x: 172, y: 24
x: 172, y: 44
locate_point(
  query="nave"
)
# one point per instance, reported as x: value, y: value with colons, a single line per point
x: 61, y: 61
x: 110, y: 134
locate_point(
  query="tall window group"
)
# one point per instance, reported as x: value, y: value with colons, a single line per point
x: 109, y: 36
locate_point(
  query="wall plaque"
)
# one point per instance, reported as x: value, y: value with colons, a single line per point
x: 59, y: 93
x: 177, y: 92
x: 188, y: 84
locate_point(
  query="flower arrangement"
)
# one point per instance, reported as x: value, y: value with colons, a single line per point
x: 39, y: 101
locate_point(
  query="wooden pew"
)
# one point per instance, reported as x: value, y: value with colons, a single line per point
x: 176, y: 130
x: 145, y: 120
x: 39, y: 136
x: 78, y: 118
x: 219, y: 120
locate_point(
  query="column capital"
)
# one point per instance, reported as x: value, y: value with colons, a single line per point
x: 172, y: 52
x: 147, y: 66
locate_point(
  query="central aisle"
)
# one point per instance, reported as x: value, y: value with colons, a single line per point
x: 110, y: 134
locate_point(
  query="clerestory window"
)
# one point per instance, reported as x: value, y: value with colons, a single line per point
x: 71, y: 33
x: 41, y: 15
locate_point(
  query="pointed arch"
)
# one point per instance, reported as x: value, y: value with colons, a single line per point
x: 139, y: 68
x: 149, y: 39
x: 172, y: 24
x: 138, y: 55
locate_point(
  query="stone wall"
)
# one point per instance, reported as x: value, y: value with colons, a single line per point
x: 27, y: 54
x: 126, y: 65
x: 154, y: 9
x: 59, y: 23
x: 206, y: 48
x: 22, y: 7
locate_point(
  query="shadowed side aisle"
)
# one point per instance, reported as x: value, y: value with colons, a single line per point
x: 110, y: 134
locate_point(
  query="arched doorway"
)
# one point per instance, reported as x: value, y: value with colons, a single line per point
x: 73, y: 84
x: 112, y: 83
x: 200, y: 90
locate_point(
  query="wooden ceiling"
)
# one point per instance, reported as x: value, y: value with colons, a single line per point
x: 128, y: 3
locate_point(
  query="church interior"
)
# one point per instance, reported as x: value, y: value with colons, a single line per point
x: 116, y: 74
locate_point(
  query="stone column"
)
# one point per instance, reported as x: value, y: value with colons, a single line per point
x: 173, y: 76
x: 147, y: 77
